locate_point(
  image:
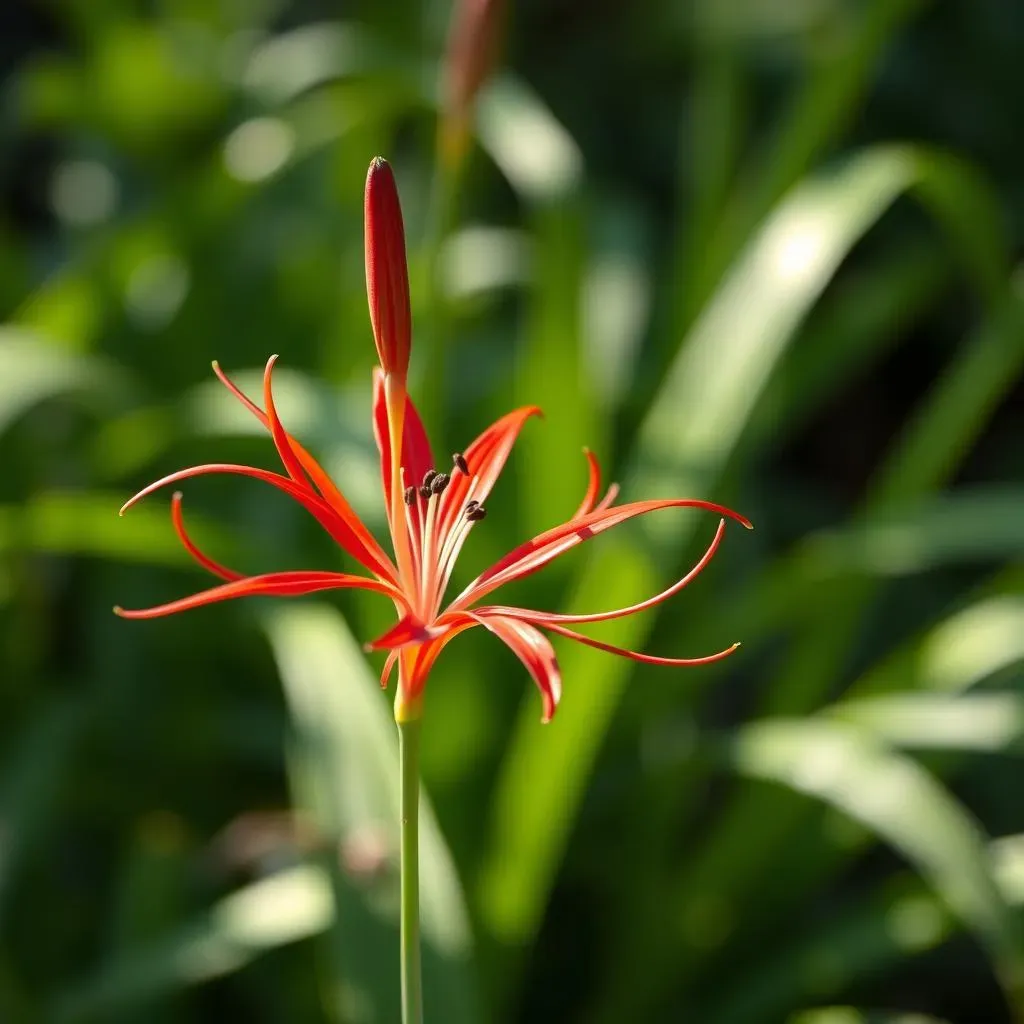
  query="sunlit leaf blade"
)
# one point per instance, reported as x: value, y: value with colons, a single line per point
x: 282, y: 68
x: 286, y: 907
x: 69, y: 523
x: 923, y: 535
x: 537, y: 155
x: 33, y: 369
x: 990, y: 721
x: 899, y: 801
x: 900, y: 919
x: 829, y: 97
x: 971, y: 645
x: 345, y: 765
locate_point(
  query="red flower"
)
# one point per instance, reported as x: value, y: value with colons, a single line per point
x: 430, y: 515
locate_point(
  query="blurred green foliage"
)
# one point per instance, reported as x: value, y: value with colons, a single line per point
x: 759, y: 251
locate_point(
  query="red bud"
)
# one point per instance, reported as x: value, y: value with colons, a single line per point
x: 472, y: 53
x: 387, y: 275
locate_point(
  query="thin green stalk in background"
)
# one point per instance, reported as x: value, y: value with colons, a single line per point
x: 412, y: 982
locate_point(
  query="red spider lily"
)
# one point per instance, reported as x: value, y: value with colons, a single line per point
x: 430, y: 515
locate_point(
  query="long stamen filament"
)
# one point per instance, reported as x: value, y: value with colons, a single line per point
x: 429, y: 551
x: 453, y: 546
x: 407, y: 512
x: 455, y: 529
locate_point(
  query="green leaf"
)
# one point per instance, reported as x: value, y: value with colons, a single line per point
x: 69, y: 523
x: 901, y: 918
x: 899, y: 801
x: 288, y: 906
x: 990, y: 721
x: 535, y: 153
x: 33, y: 370
x: 918, y: 537
x: 31, y: 784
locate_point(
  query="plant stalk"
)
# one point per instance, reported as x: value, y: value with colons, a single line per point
x: 412, y: 982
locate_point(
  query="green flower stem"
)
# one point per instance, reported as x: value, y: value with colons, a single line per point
x: 412, y: 982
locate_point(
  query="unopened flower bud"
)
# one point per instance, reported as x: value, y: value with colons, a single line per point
x: 473, y: 45
x: 387, y: 276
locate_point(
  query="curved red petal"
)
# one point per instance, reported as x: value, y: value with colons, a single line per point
x: 534, y: 650
x: 647, y: 659
x: 544, y: 618
x: 416, y: 454
x: 593, y: 485
x: 485, y: 457
x: 373, y: 556
x: 204, y: 560
x: 536, y: 553
x: 282, y: 442
x: 274, y: 584
x: 340, y: 529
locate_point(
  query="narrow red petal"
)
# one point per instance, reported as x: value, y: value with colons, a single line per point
x: 372, y: 554
x: 485, y: 457
x: 647, y: 659
x: 204, y: 560
x: 281, y: 440
x: 545, y: 618
x: 274, y: 584
x: 538, y: 552
x: 534, y: 650
x: 593, y: 485
x: 340, y: 529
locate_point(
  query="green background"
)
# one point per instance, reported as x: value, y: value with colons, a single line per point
x: 757, y: 251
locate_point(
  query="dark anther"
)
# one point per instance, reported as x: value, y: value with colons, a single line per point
x: 476, y: 513
x: 472, y: 503
x: 429, y: 477
x: 460, y: 463
x: 424, y: 492
x: 409, y: 495
x: 439, y: 483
